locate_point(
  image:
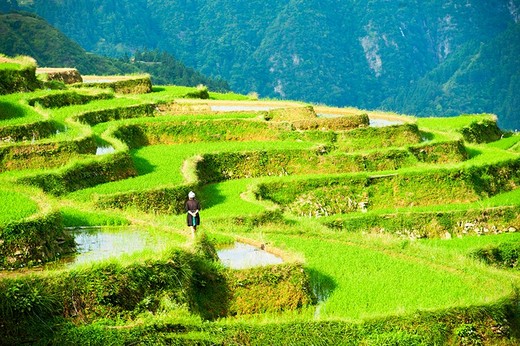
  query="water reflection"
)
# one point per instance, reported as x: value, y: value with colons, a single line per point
x: 374, y: 122
x: 242, y: 256
x: 105, y: 150
x: 96, y: 244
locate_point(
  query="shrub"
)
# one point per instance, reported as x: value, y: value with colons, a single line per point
x: 200, y: 93
x: 482, y: 131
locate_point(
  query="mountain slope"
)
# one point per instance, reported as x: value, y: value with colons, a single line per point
x: 26, y: 34
x: 367, y: 54
x: 454, y: 88
x: 23, y: 34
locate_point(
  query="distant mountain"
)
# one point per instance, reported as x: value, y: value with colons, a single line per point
x: 28, y: 34
x: 486, y: 80
x: 414, y: 56
x: 25, y: 34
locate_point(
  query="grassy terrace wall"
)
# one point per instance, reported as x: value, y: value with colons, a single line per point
x: 105, y: 115
x: 504, y: 255
x: 476, y: 325
x: 224, y: 166
x: 34, y: 240
x: 28, y: 132
x: 120, y: 85
x: 182, y: 279
x: 84, y: 174
x: 338, y: 195
x: 44, y: 155
x: 434, y: 224
x: 376, y: 138
x: 197, y: 131
x: 68, y: 98
x: 187, y: 131
x: 167, y: 200
x: 212, y: 168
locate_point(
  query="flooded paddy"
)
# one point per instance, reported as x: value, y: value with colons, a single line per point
x: 105, y: 150
x: 376, y: 122
x: 96, y: 244
x: 243, y: 256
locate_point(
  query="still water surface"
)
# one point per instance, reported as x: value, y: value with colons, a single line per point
x: 242, y: 256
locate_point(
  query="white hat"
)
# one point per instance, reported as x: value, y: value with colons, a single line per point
x: 191, y: 194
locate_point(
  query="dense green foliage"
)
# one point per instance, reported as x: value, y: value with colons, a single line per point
x: 26, y: 34
x: 424, y: 58
x: 504, y: 255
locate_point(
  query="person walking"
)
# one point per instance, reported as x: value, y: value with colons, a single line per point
x: 193, y: 215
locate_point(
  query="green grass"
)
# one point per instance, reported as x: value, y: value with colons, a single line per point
x: 15, y: 206
x: 9, y: 66
x: 161, y: 165
x: 360, y: 280
x: 450, y: 124
x: 505, y: 143
x: 224, y: 199
x: 14, y: 111
x: 75, y: 217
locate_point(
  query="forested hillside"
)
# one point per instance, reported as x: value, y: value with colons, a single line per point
x: 26, y: 34
x: 425, y: 58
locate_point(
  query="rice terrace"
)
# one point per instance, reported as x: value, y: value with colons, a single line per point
x: 388, y: 229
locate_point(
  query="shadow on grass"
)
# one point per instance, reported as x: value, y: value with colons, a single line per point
x: 427, y: 136
x: 157, y: 89
x: 142, y: 165
x: 473, y: 152
x: 211, y: 196
x: 322, y: 285
x: 9, y: 111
